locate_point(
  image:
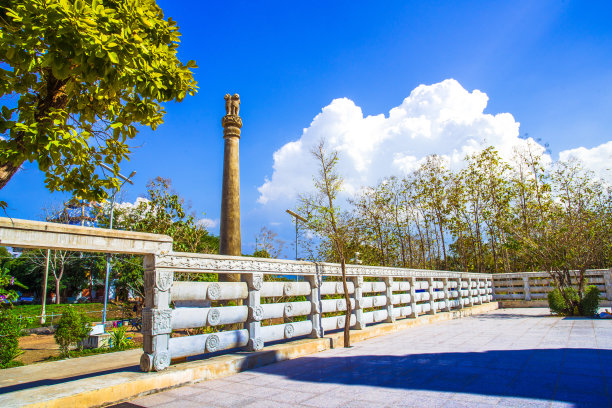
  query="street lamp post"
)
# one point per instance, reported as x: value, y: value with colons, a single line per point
x: 297, y: 218
x: 110, y: 226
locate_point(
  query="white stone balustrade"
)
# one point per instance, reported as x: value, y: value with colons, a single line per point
x: 530, y: 286
x: 250, y: 313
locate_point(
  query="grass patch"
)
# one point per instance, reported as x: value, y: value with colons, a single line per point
x: 92, y: 352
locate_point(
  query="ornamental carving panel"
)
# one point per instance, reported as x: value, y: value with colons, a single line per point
x: 256, y: 282
x: 256, y: 313
x: 214, y: 316
x: 289, y: 330
x: 156, y: 321
x: 212, y: 343
x: 288, y: 309
x: 161, y: 360
x: 214, y: 291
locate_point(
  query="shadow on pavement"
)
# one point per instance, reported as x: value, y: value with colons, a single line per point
x: 578, y: 376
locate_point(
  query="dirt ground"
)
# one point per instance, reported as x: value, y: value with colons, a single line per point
x: 38, y: 347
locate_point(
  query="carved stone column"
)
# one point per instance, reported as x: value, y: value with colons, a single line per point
x: 358, y: 296
x: 447, y: 306
x: 432, y: 300
x: 608, y: 282
x: 389, y: 296
x: 526, y: 288
x: 229, y: 235
x: 413, y: 302
x: 459, y: 295
x: 156, y: 316
x: 470, y: 292
x: 315, y: 305
x: 253, y: 325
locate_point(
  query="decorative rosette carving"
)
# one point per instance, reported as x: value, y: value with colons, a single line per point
x: 256, y: 313
x: 161, y: 360
x: 212, y: 343
x: 214, y: 291
x: 339, y: 287
x: 289, y: 330
x: 288, y: 309
x: 214, y: 316
x: 256, y: 344
x: 257, y: 281
x: 163, y: 280
x: 341, y: 320
x: 146, y: 362
x: 340, y: 304
x: 288, y: 289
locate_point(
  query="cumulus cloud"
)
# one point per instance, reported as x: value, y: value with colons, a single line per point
x: 207, y: 223
x: 597, y: 159
x: 442, y: 118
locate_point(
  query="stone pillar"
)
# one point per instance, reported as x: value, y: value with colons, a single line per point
x: 358, y: 296
x: 432, y: 301
x: 607, y: 275
x: 446, y: 295
x: 526, y: 288
x: 389, y: 296
x: 156, y: 316
x: 253, y: 325
x: 413, y: 302
x: 229, y: 235
x: 459, y: 295
x: 471, y: 298
x: 315, y: 305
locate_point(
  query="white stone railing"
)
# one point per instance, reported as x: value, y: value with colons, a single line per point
x: 536, y: 285
x: 378, y: 294
x: 266, y: 309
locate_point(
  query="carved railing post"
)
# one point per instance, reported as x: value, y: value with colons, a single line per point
x: 470, y: 292
x: 432, y: 301
x: 358, y: 296
x: 447, y: 306
x: 156, y: 316
x: 608, y: 282
x: 413, y: 302
x: 253, y: 325
x: 389, y: 296
x: 526, y: 288
x: 459, y: 295
x: 315, y: 305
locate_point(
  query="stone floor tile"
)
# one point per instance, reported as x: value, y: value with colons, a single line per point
x: 153, y: 400
x: 291, y: 397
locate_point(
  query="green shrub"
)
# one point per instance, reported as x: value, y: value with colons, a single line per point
x: 558, y: 304
x: 72, y: 328
x: 10, y: 331
x: 574, y: 306
x: 590, y: 301
x: 120, y: 340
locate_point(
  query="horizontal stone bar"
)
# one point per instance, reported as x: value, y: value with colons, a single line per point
x: 38, y: 234
x: 335, y: 288
x: 210, y: 263
x: 421, y: 296
x: 192, y: 317
x: 375, y: 316
x: 278, y: 289
x: 374, y: 301
x: 286, y: 331
x: 402, y: 311
x: 373, y: 287
x: 335, y: 305
x: 209, y: 290
x: 400, y: 286
x: 401, y: 298
x: 288, y: 309
x: 336, y: 322
x: 207, y: 343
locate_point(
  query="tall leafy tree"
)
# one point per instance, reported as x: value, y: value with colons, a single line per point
x: 79, y: 77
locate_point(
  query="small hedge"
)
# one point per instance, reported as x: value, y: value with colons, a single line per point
x: 574, y: 305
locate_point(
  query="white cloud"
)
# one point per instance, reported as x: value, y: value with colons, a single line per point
x: 207, y: 223
x: 598, y: 159
x: 442, y: 118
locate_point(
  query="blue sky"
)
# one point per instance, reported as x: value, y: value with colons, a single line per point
x: 547, y: 63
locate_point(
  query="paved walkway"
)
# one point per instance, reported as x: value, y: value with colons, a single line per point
x: 511, y: 357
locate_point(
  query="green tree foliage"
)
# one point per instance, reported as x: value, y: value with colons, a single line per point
x: 82, y: 75
x: 10, y: 331
x: 8, y: 285
x: 325, y: 218
x: 73, y: 327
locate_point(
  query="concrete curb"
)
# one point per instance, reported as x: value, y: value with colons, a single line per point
x: 112, y: 388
